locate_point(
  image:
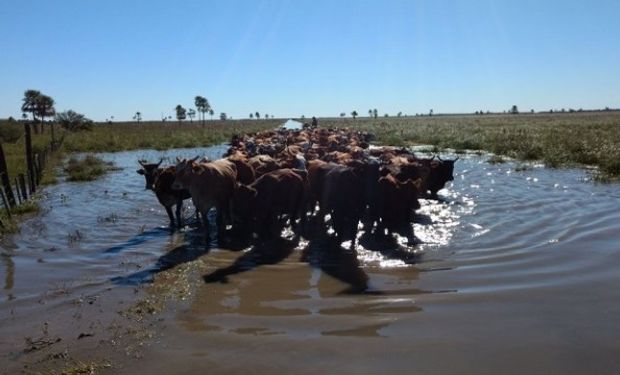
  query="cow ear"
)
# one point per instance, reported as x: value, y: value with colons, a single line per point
x: 140, y: 171
x: 196, y: 168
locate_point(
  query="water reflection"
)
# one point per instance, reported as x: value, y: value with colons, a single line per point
x: 268, y: 252
x: 9, y: 278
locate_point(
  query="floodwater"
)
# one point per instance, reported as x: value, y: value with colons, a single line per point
x: 515, y: 272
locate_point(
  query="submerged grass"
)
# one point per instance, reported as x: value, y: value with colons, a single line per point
x: 11, y: 225
x: 88, y: 168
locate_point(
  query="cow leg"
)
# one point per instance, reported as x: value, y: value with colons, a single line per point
x: 170, y: 216
x: 178, y: 212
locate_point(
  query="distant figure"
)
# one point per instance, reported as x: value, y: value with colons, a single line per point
x: 315, y: 122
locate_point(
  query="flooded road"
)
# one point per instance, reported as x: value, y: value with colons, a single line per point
x: 516, y: 272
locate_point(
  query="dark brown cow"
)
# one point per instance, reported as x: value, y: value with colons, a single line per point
x: 210, y: 185
x: 342, y: 196
x: 397, y: 203
x: 271, y: 196
x: 440, y: 172
x: 160, y: 180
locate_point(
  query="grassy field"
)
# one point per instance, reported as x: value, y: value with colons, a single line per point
x: 559, y: 139
x: 160, y: 135
x: 563, y: 139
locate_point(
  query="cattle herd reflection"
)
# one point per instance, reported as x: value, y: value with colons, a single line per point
x: 311, y: 180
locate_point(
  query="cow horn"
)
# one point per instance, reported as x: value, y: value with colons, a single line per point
x: 179, y: 159
x: 457, y: 158
x: 433, y: 158
x: 194, y: 159
x: 439, y: 157
x: 141, y: 162
x: 160, y: 161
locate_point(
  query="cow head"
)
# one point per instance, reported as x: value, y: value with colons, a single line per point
x: 149, y: 171
x: 183, y: 173
x: 446, y: 168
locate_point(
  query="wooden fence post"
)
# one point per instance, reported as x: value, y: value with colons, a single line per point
x: 5, y: 203
x: 22, y: 186
x: 29, y: 161
x: 6, y: 181
x: 19, y: 198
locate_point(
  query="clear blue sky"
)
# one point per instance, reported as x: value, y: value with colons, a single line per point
x: 288, y: 58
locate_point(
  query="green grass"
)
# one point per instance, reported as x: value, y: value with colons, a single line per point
x: 566, y: 139
x: 160, y: 135
x: 558, y: 139
x: 18, y: 212
x: 88, y: 168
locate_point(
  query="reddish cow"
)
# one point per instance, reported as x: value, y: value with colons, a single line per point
x: 267, y: 199
x: 397, y: 202
x: 210, y: 185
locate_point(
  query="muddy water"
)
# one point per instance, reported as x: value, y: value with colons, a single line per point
x: 516, y: 272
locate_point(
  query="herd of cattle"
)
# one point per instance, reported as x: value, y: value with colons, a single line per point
x: 271, y: 179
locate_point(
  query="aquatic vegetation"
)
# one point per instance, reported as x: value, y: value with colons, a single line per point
x: 496, y: 159
x: 88, y: 168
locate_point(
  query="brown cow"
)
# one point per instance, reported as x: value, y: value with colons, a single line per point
x: 267, y: 199
x: 397, y: 202
x: 160, y: 180
x: 440, y: 172
x: 341, y: 194
x: 210, y: 185
x: 245, y: 172
x: 263, y: 164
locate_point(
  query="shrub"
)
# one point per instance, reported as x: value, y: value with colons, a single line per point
x: 74, y: 121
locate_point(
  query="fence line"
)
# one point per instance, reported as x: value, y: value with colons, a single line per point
x: 25, y: 186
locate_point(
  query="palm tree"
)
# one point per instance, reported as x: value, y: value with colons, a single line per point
x: 181, y: 112
x: 30, y: 100
x: 257, y: 115
x: 30, y: 104
x: 191, y: 113
x: 370, y: 113
x: 375, y: 113
x: 211, y: 112
x: 251, y: 116
x: 202, y: 106
x: 354, y: 114
x: 45, y: 108
x: 138, y: 116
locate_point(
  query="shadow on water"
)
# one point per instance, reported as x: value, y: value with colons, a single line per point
x: 140, y: 239
x: 194, y: 248
x: 326, y: 253
x: 269, y: 252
